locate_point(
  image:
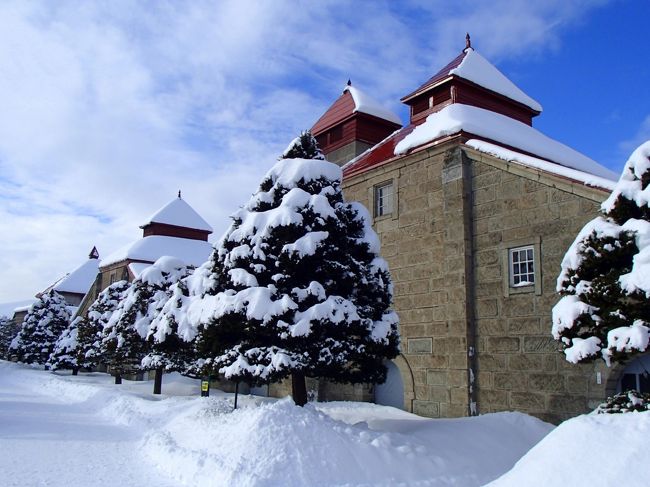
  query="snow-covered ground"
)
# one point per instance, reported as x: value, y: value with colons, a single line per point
x: 60, y: 430
x: 588, y: 451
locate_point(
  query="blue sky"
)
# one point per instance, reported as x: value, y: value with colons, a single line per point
x: 110, y: 107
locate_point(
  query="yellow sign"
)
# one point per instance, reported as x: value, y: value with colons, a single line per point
x: 205, y: 385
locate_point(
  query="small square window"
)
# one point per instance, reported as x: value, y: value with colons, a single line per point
x: 384, y: 199
x: 522, y: 266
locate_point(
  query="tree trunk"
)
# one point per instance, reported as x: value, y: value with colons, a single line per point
x: 236, y: 393
x: 75, y: 371
x: 299, y: 388
x: 157, y: 381
x: 118, y: 378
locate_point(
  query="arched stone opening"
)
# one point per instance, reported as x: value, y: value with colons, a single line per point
x: 399, y: 389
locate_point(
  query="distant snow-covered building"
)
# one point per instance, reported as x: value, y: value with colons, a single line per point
x: 74, y: 285
x: 175, y: 230
x: 474, y: 208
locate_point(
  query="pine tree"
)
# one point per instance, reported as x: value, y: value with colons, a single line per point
x: 303, y: 147
x: 90, y: 328
x: 154, y: 341
x: 605, y: 281
x: 8, y: 331
x: 297, y: 286
x: 42, y: 326
x: 65, y: 352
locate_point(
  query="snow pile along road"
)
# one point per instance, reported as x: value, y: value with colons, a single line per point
x: 123, y: 435
x: 282, y: 444
x: 587, y: 451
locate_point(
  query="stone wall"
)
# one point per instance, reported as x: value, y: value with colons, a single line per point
x: 347, y: 152
x: 424, y: 244
x: 519, y: 366
x: 456, y: 214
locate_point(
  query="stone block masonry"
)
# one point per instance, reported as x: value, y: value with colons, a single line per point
x: 447, y: 244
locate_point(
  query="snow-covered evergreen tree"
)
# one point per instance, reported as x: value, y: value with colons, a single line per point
x: 605, y: 280
x: 8, y: 331
x: 42, y: 326
x: 65, y: 354
x: 297, y: 287
x: 156, y: 343
x: 303, y: 147
x: 90, y: 328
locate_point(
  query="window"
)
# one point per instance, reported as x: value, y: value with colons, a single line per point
x: 522, y: 266
x: 113, y: 277
x: 384, y: 199
x: 521, y: 269
x: 336, y: 134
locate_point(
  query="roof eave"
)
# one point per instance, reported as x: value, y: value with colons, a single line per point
x: 424, y: 88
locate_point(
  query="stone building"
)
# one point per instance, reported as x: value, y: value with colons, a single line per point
x: 73, y: 287
x: 475, y: 209
x: 175, y: 230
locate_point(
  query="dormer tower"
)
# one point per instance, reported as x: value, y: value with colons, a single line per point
x: 354, y: 123
x: 470, y: 79
x: 177, y: 219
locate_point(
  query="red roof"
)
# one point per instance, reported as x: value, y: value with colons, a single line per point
x: 438, y: 77
x: 339, y: 111
x: 382, y: 152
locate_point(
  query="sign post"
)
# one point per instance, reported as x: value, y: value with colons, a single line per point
x: 205, y: 387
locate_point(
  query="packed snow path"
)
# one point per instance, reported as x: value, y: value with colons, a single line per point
x: 46, y: 440
x: 84, y: 431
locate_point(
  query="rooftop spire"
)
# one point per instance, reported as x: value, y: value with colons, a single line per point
x: 468, y: 42
x: 179, y: 193
x: 349, y: 82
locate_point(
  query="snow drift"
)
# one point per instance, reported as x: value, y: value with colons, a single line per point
x: 183, y: 438
x: 590, y: 450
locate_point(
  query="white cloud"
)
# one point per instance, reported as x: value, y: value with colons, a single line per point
x: 110, y: 107
x: 642, y: 135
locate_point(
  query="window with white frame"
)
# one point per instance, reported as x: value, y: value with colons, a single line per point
x: 384, y: 199
x: 522, y: 266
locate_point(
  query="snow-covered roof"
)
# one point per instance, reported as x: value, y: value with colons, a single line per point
x: 178, y: 213
x: 79, y: 280
x: 501, y: 129
x: 151, y: 248
x: 471, y: 66
x: 7, y: 310
x: 365, y: 104
x: 352, y: 101
x: 525, y: 160
x: 136, y: 268
x: 477, y: 69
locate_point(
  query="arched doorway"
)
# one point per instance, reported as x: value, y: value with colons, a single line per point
x: 391, y: 392
x: 636, y: 375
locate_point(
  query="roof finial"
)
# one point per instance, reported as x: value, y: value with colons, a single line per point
x: 468, y: 42
x: 349, y: 82
x: 179, y: 193
x: 93, y: 254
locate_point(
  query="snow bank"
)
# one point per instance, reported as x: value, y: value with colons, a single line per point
x: 282, y: 444
x: 202, y: 442
x: 587, y: 451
